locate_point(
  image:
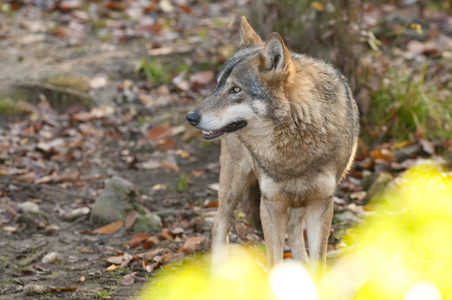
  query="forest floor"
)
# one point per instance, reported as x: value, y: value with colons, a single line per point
x: 90, y: 91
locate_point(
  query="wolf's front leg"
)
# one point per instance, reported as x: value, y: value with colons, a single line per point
x: 274, y: 220
x: 235, y: 176
x: 319, y: 216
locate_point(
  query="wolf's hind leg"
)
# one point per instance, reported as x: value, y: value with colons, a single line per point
x: 295, y: 228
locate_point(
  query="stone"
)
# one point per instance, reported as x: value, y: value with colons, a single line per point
x: 148, y: 223
x: 115, y: 202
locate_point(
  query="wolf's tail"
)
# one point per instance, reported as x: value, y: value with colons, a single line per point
x: 251, y: 200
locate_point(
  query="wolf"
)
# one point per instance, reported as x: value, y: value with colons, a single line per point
x: 289, y: 126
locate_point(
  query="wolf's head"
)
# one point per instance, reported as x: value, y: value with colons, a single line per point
x: 248, y: 86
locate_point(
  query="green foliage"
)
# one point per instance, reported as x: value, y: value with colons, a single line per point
x: 154, y: 71
x: 405, y: 103
x: 11, y: 107
x: 182, y: 185
x: 104, y: 294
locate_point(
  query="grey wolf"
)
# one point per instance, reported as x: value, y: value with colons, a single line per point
x: 289, y: 127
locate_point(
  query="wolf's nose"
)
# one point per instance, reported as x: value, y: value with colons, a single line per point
x: 193, y: 118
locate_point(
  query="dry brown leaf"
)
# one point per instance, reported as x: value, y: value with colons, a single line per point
x: 48, y: 178
x: 427, y: 146
x: 110, y: 228
x: 193, y: 243
x: 70, y: 176
x: 137, y: 239
x: 121, y: 260
x: 160, y: 132
x: 166, y: 235
x: 202, y: 78
x: 150, y: 242
x: 151, y: 267
x: 130, y: 219
x: 197, y: 173
x: 287, y: 255
x: 170, y: 166
x: 117, y: 259
x: 150, y: 254
x: 212, y: 204
x: 167, y: 144
x: 27, y: 177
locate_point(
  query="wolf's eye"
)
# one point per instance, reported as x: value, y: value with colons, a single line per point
x: 235, y: 89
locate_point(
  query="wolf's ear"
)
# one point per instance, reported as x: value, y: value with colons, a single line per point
x: 248, y: 37
x: 276, y: 55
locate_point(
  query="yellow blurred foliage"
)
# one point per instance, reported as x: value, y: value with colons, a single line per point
x: 404, y: 246
x: 401, y: 251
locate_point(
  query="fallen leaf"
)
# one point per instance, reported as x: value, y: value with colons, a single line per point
x: 68, y: 176
x: 110, y: 228
x: 160, y: 132
x: 212, y: 204
x: 27, y: 177
x: 197, y: 173
x: 150, y: 165
x: 193, y: 243
x: 167, y: 144
x: 121, y: 260
x: 130, y: 219
x: 151, y: 267
x: 318, y: 6
x: 170, y: 166
x: 384, y: 154
x: 150, y: 242
x: 214, y: 186
x: 150, y: 254
x: 202, y: 78
x: 166, y: 235
x: 112, y: 268
x: 287, y: 255
x: 427, y: 146
x: 165, y: 132
x: 137, y: 239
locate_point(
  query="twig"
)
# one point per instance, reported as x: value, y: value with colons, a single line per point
x: 54, y: 88
x: 47, y: 187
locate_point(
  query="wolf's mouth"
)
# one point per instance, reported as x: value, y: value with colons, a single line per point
x: 234, y: 126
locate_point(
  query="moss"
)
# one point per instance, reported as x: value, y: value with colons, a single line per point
x: 11, y: 107
x: 69, y: 81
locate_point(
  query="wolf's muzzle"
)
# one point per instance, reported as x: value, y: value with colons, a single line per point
x: 193, y: 118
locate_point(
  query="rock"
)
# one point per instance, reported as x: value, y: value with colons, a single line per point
x: 148, y: 222
x: 29, y: 207
x: 375, y: 184
x: 50, y: 258
x: 347, y: 216
x: 115, y: 202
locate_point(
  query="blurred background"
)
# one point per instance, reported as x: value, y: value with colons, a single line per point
x: 93, y: 96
